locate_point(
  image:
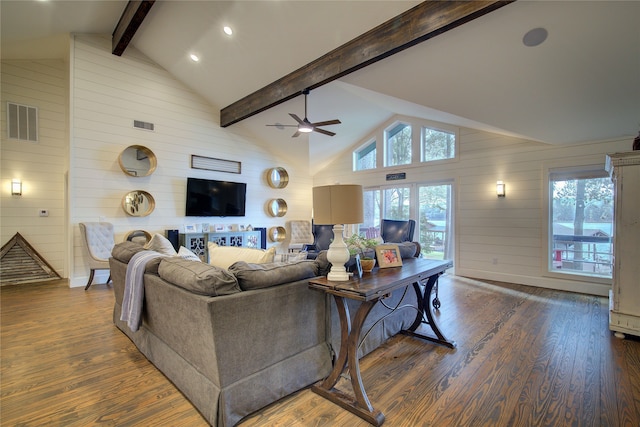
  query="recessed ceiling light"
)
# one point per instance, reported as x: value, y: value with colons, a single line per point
x: 227, y: 30
x: 535, y: 37
x: 194, y: 57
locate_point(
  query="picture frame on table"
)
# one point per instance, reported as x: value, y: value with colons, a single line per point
x: 206, y: 227
x: 190, y: 228
x: 219, y: 228
x: 358, y: 270
x: 388, y: 255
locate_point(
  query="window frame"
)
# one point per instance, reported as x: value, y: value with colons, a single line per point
x: 546, y: 263
x: 385, y: 141
x: 363, y: 147
x: 441, y: 128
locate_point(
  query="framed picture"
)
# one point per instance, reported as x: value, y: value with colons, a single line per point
x: 190, y: 228
x: 242, y: 227
x: 205, y: 227
x: 358, y: 270
x: 218, y: 228
x: 388, y: 256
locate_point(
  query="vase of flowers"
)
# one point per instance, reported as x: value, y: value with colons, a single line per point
x: 364, y: 247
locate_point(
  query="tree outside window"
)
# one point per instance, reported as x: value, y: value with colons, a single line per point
x: 582, y: 223
x: 365, y: 157
x: 398, y: 145
x: 437, y: 144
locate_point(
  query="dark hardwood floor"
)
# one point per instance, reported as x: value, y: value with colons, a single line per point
x: 525, y: 357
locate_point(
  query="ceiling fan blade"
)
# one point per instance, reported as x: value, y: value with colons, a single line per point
x: 296, y: 118
x: 324, y: 132
x: 295, y: 135
x: 327, y: 123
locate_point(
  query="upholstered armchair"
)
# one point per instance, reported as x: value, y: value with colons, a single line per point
x: 322, y: 237
x: 301, y: 234
x: 98, y: 241
x: 395, y: 231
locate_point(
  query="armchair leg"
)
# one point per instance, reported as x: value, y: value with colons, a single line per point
x: 93, y: 272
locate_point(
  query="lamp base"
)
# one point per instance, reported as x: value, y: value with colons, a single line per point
x: 338, y: 255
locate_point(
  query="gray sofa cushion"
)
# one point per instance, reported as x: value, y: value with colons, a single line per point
x: 198, y: 277
x: 256, y: 276
x: 407, y: 249
x: 125, y: 250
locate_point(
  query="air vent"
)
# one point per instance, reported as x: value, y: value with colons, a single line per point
x: 213, y: 164
x: 143, y: 125
x: 23, y: 122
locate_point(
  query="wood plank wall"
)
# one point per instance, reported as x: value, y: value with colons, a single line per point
x: 40, y: 165
x: 511, y: 230
x: 108, y: 94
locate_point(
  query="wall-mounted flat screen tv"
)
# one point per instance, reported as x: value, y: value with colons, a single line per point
x: 207, y: 197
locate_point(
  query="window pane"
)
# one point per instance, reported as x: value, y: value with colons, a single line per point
x: 398, y: 145
x: 437, y: 145
x: 434, y: 230
x: 365, y: 158
x: 371, y: 206
x: 582, y: 225
x: 397, y: 203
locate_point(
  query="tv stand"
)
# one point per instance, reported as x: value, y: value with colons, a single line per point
x: 198, y: 242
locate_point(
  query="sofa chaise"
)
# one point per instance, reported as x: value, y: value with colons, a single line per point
x: 234, y: 341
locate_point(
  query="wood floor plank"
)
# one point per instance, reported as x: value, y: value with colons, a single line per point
x: 525, y: 357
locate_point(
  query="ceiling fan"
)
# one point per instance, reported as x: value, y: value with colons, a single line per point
x: 304, y: 125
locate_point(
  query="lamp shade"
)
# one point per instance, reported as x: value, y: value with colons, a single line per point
x: 338, y: 204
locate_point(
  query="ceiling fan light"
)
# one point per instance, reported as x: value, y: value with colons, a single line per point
x: 305, y: 128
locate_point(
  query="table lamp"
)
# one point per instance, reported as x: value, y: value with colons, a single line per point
x: 338, y: 205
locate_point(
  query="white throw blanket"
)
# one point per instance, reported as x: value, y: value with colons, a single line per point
x: 134, y: 288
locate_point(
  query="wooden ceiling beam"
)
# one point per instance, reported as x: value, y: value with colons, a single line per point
x: 131, y: 19
x: 422, y: 22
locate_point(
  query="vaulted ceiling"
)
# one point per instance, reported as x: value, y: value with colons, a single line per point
x: 581, y: 84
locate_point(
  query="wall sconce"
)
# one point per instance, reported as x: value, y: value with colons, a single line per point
x: 16, y: 187
x: 500, y: 189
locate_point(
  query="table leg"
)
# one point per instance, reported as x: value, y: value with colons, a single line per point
x: 348, y: 356
x: 425, y: 314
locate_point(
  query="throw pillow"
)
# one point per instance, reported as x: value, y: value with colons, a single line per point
x: 224, y: 256
x: 198, y: 277
x: 125, y: 250
x: 257, y: 276
x: 185, y: 253
x: 291, y: 257
x: 160, y: 244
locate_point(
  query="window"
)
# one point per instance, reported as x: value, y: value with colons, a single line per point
x: 365, y: 157
x: 581, y: 223
x: 435, y: 221
x: 398, y: 145
x: 437, y: 144
x: 370, y: 228
x: 397, y: 203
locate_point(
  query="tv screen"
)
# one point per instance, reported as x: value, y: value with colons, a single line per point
x: 207, y: 197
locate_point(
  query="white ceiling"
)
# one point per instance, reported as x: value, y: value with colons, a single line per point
x: 581, y: 84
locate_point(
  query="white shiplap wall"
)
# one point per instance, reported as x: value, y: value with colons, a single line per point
x: 510, y: 230
x: 108, y: 94
x: 40, y: 165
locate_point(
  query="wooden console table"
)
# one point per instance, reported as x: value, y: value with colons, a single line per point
x: 369, y: 289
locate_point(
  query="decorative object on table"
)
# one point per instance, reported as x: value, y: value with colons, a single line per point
x: 190, y: 228
x: 363, y: 248
x: 358, y: 265
x: 338, y: 205
x: 388, y: 256
x: 206, y: 227
x: 218, y: 228
x: 242, y: 227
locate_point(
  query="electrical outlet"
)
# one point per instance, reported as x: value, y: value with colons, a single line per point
x: 44, y: 212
